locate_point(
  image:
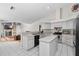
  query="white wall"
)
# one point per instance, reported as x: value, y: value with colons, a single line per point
x: 67, y: 12
x: 18, y: 29
x: 42, y: 21
x: 1, y: 29
x: 57, y: 16
x: 35, y: 27
x: 26, y: 27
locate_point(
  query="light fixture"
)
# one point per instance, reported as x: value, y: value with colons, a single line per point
x: 12, y: 7
x: 75, y: 8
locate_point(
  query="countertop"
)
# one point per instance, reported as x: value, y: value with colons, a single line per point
x: 48, y: 38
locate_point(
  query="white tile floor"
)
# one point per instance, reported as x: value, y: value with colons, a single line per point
x: 14, y: 49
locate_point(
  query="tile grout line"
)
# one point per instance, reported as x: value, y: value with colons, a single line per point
x: 61, y: 50
x: 67, y: 51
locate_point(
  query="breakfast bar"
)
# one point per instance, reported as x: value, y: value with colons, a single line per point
x: 48, y: 45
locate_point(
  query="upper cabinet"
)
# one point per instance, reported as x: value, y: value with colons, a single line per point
x: 56, y: 24
x: 64, y: 24
x: 46, y: 25
x: 67, y: 24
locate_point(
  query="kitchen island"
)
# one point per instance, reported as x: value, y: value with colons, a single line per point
x: 48, y: 45
x: 27, y: 41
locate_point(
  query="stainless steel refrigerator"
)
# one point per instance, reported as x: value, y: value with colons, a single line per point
x: 76, y: 35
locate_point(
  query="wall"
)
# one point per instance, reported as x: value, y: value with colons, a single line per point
x: 57, y: 16
x: 1, y: 29
x: 35, y: 27
x: 25, y: 27
x: 67, y: 12
x: 42, y: 21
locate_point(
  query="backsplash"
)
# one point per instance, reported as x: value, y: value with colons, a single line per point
x: 67, y: 31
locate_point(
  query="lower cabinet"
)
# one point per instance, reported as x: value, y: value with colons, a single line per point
x: 28, y: 42
x: 48, y: 49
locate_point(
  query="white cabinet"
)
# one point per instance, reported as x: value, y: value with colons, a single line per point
x: 67, y: 24
x: 56, y: 24
x: 28, y: 41
x: 48, y: 46
x: 46, y: 25
x: 64, y: 24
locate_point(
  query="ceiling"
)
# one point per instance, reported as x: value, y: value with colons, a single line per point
x: 27, y: 12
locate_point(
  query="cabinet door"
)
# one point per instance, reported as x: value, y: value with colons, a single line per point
x: 24, y: 42
x: 64, y: 25
x: 67, y: 24
x: 57, y: 24
x: 70, y: 24
x: 30, y: 43
x: 53, y: 47
x: 46, y: 26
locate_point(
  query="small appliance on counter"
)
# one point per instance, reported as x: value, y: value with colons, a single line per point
x: 58, y: 31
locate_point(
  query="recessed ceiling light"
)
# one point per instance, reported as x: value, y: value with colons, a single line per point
x: 48, y: 7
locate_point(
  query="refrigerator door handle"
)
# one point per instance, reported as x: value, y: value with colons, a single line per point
x: 74, y: 44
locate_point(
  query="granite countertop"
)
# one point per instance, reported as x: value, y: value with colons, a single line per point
x: 48, y: 38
